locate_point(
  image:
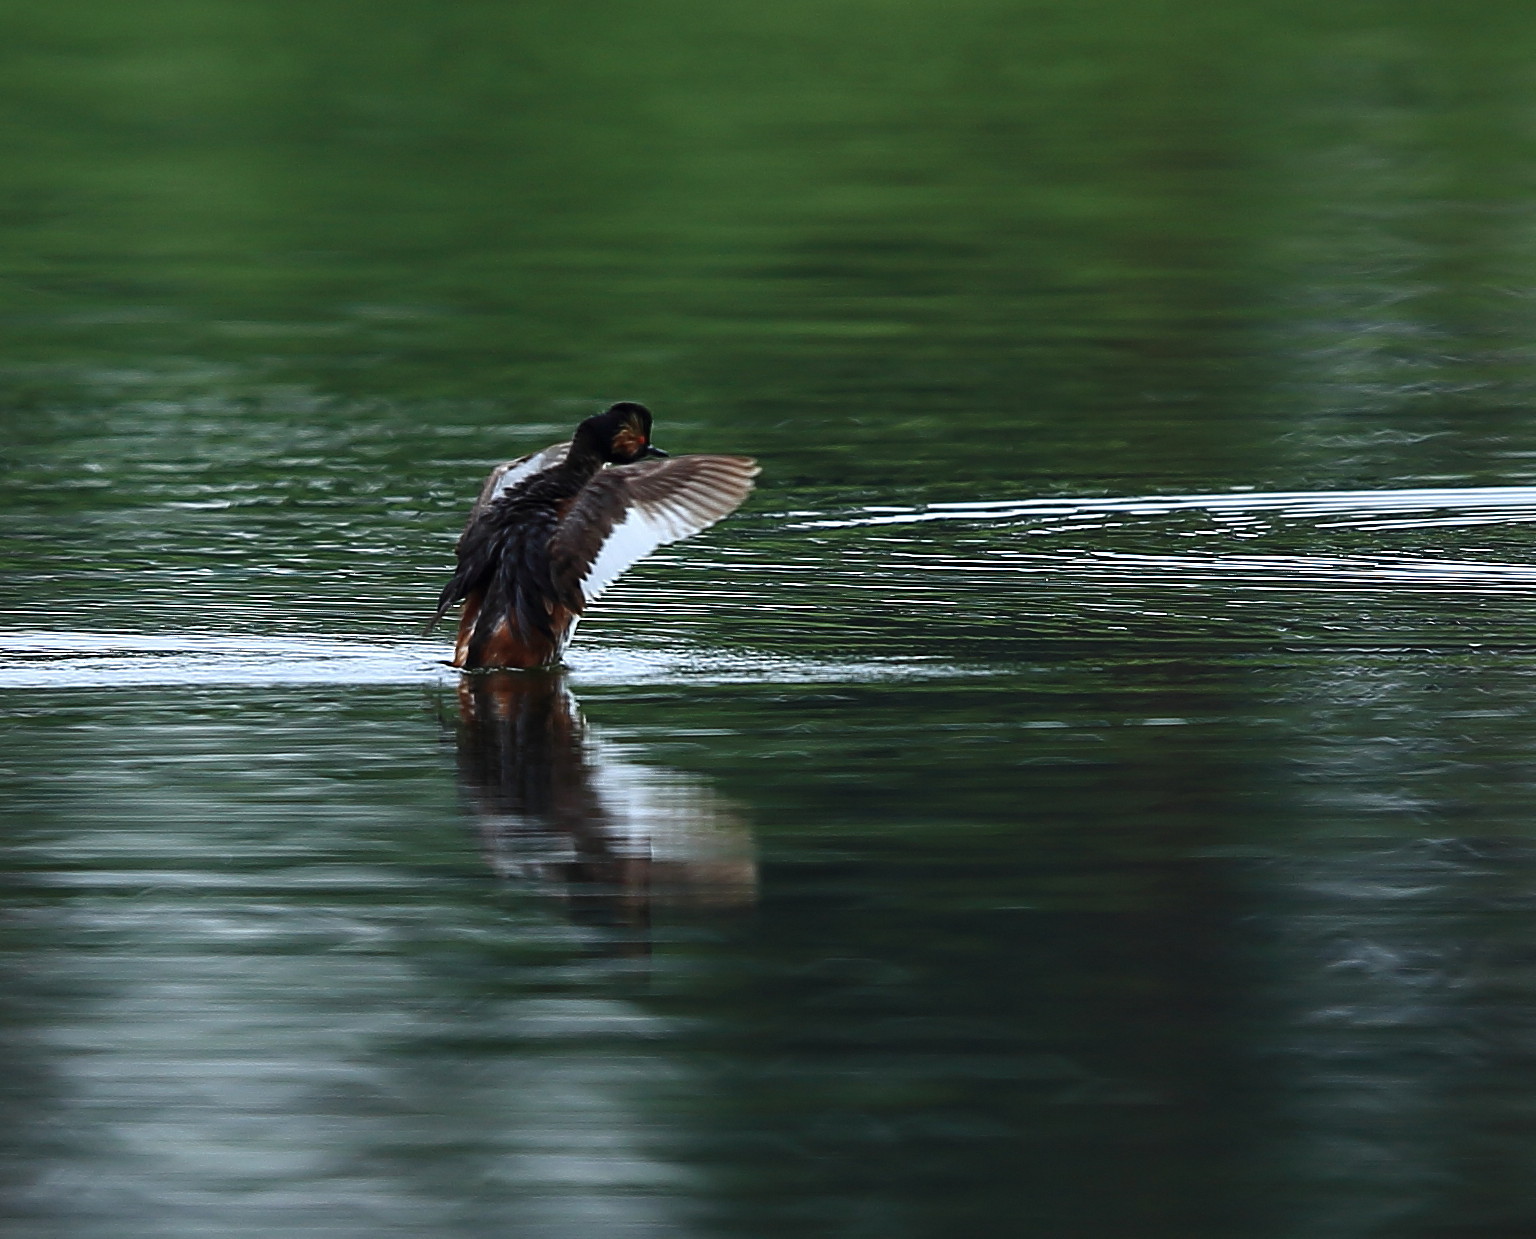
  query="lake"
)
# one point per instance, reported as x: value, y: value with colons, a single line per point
x: 1085, y: 792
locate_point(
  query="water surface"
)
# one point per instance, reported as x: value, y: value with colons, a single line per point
x: 1085, y: 792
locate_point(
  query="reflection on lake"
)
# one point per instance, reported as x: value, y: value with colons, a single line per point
x: 554, y: 803
x: 1406, y: 1005
x: 1013, y: 936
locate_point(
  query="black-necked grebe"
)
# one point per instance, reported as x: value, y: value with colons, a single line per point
x: 554, y: 529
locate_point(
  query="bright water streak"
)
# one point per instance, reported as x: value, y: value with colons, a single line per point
x: 1120, y: 561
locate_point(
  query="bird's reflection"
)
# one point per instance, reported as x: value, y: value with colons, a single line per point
x: 557, y: 804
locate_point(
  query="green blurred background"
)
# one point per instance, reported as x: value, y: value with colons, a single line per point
x: 1118, y: 240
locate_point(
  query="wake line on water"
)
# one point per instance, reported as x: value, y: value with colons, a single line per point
x: 1240, y: 516
x: 907, y: 577
x: 1273, y: 572
x: 1356, y: 509
x: 132, y: 660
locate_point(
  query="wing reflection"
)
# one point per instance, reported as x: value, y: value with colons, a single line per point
x: 558, y: 804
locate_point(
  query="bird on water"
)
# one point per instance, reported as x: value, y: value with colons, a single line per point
x: 552, y: 530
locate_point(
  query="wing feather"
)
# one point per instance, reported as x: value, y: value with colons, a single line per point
x: 625, y: 513
x: 475, y: 549
x: 514, y: 472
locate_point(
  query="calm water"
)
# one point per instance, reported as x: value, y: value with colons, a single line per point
x: 1086, y: 792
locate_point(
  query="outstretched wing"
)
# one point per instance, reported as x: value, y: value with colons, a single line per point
x: 476, y: 548
x: 625, y: 513
x: 514, y: 472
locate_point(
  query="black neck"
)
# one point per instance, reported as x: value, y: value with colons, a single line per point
x: 582, y: 459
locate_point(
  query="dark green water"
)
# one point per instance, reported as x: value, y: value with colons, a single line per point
x: 1086, y: 792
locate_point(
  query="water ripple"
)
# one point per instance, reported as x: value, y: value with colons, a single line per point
x: 806, y: 594
x: 1374, y: 565
x: 1356, y: 509
x: 128, y: 660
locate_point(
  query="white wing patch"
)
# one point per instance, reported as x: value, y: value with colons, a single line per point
x: 635, y: 537
x: 504, y: 477
x: 659, y: 513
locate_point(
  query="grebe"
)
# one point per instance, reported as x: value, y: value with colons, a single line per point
x: 552, y: 530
